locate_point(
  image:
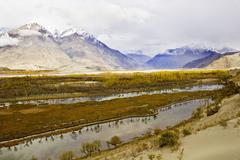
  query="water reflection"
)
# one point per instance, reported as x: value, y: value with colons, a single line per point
x: 126, y: 129
x: 116, y: 96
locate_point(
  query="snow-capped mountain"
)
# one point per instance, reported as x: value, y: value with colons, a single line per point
x: 7, y: 41
x: 138, y: 56
x: 85, y: 50
x: 33, y: 47
x: 178, y: 57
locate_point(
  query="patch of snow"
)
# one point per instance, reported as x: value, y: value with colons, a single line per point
x: 79, y: 31
x: 26, y: 33
x: 6, y: 40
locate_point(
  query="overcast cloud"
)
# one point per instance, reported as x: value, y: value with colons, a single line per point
x: 148, y: 25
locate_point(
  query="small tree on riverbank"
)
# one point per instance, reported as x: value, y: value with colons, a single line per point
x: 115, y: 140
x: 169, y: 138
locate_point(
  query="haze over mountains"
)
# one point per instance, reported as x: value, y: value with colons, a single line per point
x: 32, y: 47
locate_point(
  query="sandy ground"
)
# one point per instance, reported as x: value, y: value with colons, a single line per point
x: 214, y: 143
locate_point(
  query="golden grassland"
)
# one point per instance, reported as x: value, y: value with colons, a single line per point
x: 44, y: 87
x: 7, y: 71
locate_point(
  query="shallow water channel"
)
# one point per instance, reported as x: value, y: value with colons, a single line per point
x: 126, y: 129
x: 115, y: 96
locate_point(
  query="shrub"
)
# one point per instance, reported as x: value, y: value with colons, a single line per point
x: 33, y: 158
x: 89, y: 148
x: 238, y: 114
x: 157, y: 131
x: 115, y: 140
x: 211, y: 110
x: 67, y: 156
x: 198, y: 113
x: 159, y: 157
x: 168, y: 138
x: 151, y: 156
x: 187, y: 131
x: 223, y: 123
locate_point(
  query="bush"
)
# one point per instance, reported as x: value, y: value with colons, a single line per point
x: 186, y: 131
x: 198, y: 113
x: 238, y: 114
x: 89, y: 148
x: 157, y: 131
x: 115, y: 140
x: 33, y: 158
x: 67, y: 156
x: 211, y: 110
x: 223, y: 123
x: 151, y: 156
x: 169, y: 138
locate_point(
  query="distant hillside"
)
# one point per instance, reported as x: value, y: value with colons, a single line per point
x: 226, y: 61
x: 140, y: 58
x: 178, y: 58
x: 203, y: 62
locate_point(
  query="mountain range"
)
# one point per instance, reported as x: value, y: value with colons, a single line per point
x: 185, y: 57
x: 32, y: 47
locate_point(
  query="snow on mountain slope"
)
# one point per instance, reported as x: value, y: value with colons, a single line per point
x: 177, y: 58
x: 226, y: 61
x: 35, y: 50
x: 6, y: 40
x: 85, y: 50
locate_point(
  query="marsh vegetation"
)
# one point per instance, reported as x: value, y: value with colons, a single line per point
x: 36, y: 119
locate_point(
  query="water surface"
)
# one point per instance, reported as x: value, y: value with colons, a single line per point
x: 126, y: 129
x: 115, y: 96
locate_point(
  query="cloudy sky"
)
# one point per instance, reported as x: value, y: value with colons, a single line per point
x: 148, y: 25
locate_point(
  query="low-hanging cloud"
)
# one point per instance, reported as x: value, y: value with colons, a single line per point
x: 151, y: 26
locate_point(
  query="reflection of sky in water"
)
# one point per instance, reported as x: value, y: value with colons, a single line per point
x: 127, y: 129
x: 123, y: 95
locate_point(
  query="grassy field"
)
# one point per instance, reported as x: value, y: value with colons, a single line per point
x: 45, y: 87
x: 7, y: 71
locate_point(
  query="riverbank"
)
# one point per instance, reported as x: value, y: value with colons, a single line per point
x: 208, y: 139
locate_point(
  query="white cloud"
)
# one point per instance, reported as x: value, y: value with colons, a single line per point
x: 152, y: 25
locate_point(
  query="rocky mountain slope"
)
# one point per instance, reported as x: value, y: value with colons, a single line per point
x: 31, y: 47
x: 227, y: 61
x: 85, y: 50
x: 203, y: 62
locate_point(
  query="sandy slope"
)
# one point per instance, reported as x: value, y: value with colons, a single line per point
x: 215, y: 143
